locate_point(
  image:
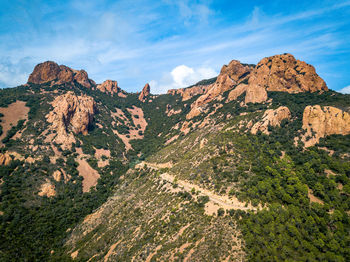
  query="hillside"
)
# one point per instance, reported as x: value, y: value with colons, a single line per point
x: 252, y: 165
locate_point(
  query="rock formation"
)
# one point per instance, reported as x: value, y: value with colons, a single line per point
x: 189, y: 92
x: 51, y: 71
x: 71, y: 112
x: 230, y: 75
x: 47, y: 189
x: 271, y: 117
x: 144, y: 93
x: 111, y: 87
x: 320, y: 122
x: 236, y: 92
x: 5, y: 159
x: 282, y: 73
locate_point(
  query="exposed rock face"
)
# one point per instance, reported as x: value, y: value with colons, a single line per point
x: 71, y: 112
x: 271, y: 117
x: 51, y: 71
x: 110, y: 87
x: 320, y: 122
x: 230, y: 75
x: 5, y: 159
x: 47, y: 189
x: 236, y: 92
x: 282, y: 73
x: 189, y: 92
x: 145, y: 93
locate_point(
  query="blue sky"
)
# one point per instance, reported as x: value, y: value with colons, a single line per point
x: 171, y: 44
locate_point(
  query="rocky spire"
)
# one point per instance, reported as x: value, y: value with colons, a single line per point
x: 144, y: 93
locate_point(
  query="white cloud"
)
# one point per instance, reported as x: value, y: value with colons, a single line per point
x: 345, y: 90
x: 181, y: 76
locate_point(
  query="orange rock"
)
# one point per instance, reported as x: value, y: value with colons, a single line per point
x: 51, y: 71
x: 109, y: 86
x: 282, y: 73
x: 271, y: 117
x: 230, y: 75
x: 5, y: 159
x: 71, y: 112
x: 47, y: 189
x: 189, y: 92
x: 145, y: 93
x: 236, y: 92
x: 321, y: 122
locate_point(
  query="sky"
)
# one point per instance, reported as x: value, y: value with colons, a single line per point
x: 171, y: 44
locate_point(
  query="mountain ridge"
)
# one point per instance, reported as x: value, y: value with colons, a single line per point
x: 105, y: 175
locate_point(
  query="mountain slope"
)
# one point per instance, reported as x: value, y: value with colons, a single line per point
x: 236, y: 167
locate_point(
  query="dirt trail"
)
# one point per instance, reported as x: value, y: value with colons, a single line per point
x: 222, y: 201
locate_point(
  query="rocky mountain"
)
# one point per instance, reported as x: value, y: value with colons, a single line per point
x: 252, y: 165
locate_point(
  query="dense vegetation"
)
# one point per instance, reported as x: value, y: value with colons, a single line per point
x: 268, y: 171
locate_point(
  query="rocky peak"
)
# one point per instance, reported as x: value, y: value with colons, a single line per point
x: 71, y: 114
x: 51, y: 71
x: 110, y: 87
x: 320, y: 122
x: 145, y: 92
x: 282, y: 73
x: 230, y: 75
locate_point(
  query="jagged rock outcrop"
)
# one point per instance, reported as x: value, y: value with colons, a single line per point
x: 271, y: 117
x: 51, y: 71
x: 230, y: 75
x: 145, y: 93
x: 5, y: 159
x: 320, y: 122
x: 71, y: 113
x: 282, y: 73
x: 111, y: 87
x: 189, y: 92
x: 236, y: 92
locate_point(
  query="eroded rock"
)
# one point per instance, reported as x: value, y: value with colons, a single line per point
x: 111, y: 87
x: 51, y: 71
x: 71, y: 114
x: 271, y: 117
x: 144, y: 93
x: 282, y: 73
x: 320, y: 122
x: 5, y: 159
x: 230, y: 75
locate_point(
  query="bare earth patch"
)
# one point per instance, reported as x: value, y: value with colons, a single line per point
x: 12, y: 114
x: 89, y: 174
x: 313, y: 199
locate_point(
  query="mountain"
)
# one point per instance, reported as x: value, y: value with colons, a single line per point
x: 252, y: 165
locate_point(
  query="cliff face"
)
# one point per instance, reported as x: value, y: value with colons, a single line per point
x: 320, y: 122
x: 230, y: 75
x: 145, y: 93
x: 271, y: 117
x: 71, y: 112
x: 282, y: 73
x: 51, y: 71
